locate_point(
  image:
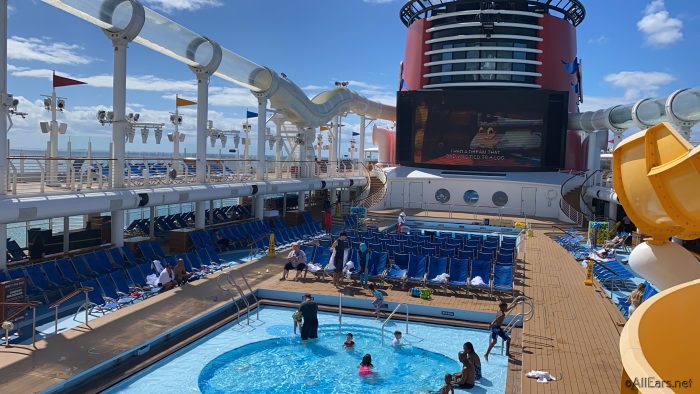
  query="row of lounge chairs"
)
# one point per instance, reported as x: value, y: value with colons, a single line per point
x: 163, y: 224
x: 117, y: 277
x: 423, y: 270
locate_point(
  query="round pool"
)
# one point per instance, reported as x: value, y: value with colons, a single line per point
x: 285, y: 365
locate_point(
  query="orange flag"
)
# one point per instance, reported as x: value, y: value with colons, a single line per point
x: 180, y: 102
x: 324, y: 128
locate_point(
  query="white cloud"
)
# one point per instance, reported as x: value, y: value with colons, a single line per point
x: 182, y: 5
x: 658, y: 26
x: 44, y: 50
x: 639, y: 84
x: 602, y: 39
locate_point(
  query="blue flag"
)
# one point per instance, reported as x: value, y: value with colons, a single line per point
x: 354, y: 134
x: 250, y: 114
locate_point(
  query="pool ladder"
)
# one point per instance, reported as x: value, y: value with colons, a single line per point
x: 520, y: 317
x: 229, y: 278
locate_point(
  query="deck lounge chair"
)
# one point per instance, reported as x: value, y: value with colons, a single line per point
x: 481, y: 268
x: 459, y: 274
x: 416, y: 269
x: 503, y: 278
x: 111, y: 292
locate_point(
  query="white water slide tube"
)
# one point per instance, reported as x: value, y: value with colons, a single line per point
x: 681, y: 108
x: 171, y: 39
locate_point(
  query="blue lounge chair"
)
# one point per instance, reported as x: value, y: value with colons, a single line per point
x: 377, y: 265
x: 416, y: 269
x: 503, y: 278
x: 96, y: 301
x: 481, y: 268
x: 55, y: 276
x: 459, y: 273
x: 401, y: 260
x: 436, y: 266
x: 111, y: 292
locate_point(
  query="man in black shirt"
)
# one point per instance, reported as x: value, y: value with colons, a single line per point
x: 309, y: 312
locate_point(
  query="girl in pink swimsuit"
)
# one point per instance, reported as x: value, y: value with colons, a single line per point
x: 366, y: 365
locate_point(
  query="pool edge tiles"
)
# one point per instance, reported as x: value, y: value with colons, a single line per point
x: 276, y: 322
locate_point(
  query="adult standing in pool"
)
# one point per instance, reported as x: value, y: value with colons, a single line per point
x: 309, y: 312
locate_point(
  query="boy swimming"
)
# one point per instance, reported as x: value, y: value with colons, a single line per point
x: 397, y: 339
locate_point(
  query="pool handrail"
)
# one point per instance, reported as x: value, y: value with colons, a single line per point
x: 340, y: 313
x: 392, y: 315
x: 22, y: 307
x: 250, y: 289
x: 56, y: 304
x: 520, y: 317
x: 233, y: 296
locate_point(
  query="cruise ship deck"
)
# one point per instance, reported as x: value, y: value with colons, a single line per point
x: 573, y: 334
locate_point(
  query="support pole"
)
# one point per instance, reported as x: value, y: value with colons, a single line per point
x: 261, y: 167
x: 119, y: 133
x: 363, y: 128
x: 66, y: 234
x: 152, y: 222
x: 53, y: 141
x: 332, y: 149
x: 4, y: 167
x: 202, y: 118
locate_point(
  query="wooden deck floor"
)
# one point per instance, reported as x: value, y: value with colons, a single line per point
x: 573, y: 335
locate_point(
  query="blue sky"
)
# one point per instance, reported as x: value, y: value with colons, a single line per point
x: 630, y: 49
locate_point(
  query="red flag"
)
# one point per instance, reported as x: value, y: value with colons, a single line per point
x: 63, y: 81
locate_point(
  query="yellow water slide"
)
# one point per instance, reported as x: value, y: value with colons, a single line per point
x: 657, y: 179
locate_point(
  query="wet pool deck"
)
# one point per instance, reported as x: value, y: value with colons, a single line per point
x: 573, y: 335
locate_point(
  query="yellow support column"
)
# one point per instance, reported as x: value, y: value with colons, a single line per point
x: 589, y: 273
x: 271, y: 247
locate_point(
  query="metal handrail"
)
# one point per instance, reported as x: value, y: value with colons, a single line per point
x: 520, y: 317
x: 340, y: 313
x: 232, y: 281
x: 392, y: 315
x: 250, y: 289
x: 72, y: 294
x: 233, y: 298
x: 22, y: 307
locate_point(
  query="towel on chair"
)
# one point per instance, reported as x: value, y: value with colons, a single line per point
x: 477, y: 282
x: 158, y: 266
x: 313, y: 268
x: 152, y: 280
x: 442, y: 278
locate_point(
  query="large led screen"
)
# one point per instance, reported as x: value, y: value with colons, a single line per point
x: 487, y: 130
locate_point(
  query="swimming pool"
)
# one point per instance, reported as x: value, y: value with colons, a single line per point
x: 266, y: 357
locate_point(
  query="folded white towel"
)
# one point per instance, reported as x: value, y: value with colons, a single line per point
x: 477, y: 281
x: 314, y: 267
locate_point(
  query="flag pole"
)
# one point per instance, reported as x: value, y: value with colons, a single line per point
x: 53, y: 135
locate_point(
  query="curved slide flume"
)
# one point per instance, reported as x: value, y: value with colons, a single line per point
x: 175, y: 41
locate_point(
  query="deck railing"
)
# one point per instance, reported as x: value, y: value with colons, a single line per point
x: 38, y: 175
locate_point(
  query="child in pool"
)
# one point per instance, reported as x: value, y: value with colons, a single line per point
x: 366, y: 365
x: 349, y: 343
x: 397, y: 339
x: 448, y: 388
x: 296, y: 316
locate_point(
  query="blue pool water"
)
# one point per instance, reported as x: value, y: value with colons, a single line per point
x: 266, y: 357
